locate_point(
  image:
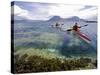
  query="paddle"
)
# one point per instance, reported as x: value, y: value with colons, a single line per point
x: 79, y: 27
x: 69, y: 29
x: 83, y: 25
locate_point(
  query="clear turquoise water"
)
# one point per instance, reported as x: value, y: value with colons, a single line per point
x: 40, y: 35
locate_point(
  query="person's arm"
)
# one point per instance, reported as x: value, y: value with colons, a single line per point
x: 79, y: 26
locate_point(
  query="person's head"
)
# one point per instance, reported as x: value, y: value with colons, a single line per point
x: 76, y: 23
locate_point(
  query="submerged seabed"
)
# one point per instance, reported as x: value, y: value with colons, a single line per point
x: 40, y: 38
x: 39, y: 47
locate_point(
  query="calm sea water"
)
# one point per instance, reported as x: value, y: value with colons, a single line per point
x: 42, y: 36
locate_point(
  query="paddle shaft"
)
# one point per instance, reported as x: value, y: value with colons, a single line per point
x: 79, y: 27
x: 83, y: 25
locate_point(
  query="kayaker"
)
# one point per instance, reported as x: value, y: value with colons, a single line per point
x: 56, y: 24
x: 76, y: 27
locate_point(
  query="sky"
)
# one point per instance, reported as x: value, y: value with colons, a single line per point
x: 45, y: 11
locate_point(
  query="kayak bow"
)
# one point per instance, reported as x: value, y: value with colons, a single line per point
x: 83, y: 36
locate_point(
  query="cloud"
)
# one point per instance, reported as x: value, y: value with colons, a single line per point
x: 44, y: 11
x: 65, y: 10
x: 86, y: 7
x: 88, y: 13
x: 21, y: 13
x: 73, y: 10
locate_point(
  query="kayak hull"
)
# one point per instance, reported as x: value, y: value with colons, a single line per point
x: 83, y: 36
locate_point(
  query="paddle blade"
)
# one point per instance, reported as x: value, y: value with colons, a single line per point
x: 83, y: 26
x: 86, y: 25
x: 69, y: 30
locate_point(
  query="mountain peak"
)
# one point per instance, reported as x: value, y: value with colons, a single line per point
x: 73, y: 18
x: 54, y: 18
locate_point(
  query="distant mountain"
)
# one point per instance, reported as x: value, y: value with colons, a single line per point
x: 73, y: 18
x: 55, y: 18
x: 12, y: 21
x: 91, y: 21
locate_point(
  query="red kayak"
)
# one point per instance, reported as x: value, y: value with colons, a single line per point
x: 83, y: 36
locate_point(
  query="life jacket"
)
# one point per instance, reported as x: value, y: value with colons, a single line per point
x: 75, y: 27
